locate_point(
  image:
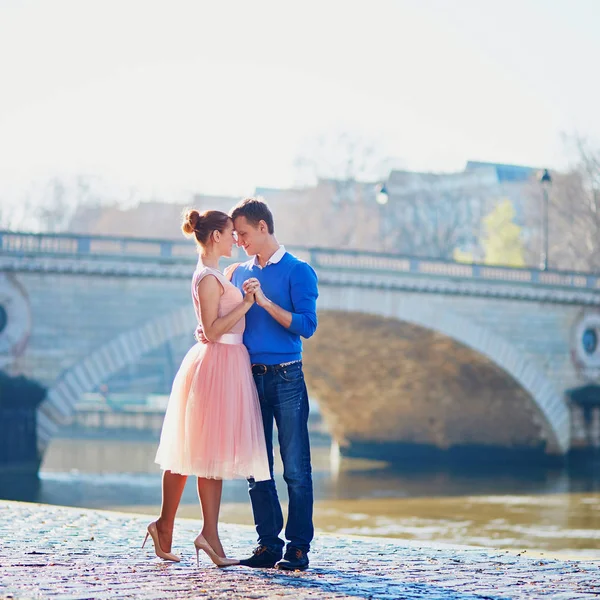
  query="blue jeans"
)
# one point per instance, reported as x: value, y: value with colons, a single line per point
x: 283, y: 397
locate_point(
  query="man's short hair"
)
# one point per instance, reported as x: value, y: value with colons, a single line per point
x: 254, y: 210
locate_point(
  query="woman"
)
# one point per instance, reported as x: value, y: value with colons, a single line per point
x: 213, y: 425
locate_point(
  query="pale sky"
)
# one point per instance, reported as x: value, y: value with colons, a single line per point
x: 175, y: 96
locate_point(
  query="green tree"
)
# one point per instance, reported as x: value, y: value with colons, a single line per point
x: 502, y: 242
x: 463, y: 257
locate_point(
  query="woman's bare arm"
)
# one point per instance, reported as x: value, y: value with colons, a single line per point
x: 209, y: 294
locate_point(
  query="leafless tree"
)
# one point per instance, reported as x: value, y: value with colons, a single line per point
x: 54, y: 210
x: 343, y: 157
x: 15, y: 214
x: 339, y: 172
x: 573, y: 213
x: 431, y: 215
x: 53, y: 204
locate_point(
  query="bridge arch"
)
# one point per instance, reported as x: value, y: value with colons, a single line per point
x: 411, y: 308
x: 131, y: 345
x: 107, y: 360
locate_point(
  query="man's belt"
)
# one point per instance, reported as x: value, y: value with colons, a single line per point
x: 260, y: 369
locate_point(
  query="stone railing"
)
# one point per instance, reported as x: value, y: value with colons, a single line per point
x: 170, y: 251
x: 69, y: 245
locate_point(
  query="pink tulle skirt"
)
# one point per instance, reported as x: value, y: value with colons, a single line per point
x: 213, y: 425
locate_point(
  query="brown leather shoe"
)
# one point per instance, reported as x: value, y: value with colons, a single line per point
x: 294, y: 560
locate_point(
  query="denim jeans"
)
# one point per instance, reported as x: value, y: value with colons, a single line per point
x: 283, y: 397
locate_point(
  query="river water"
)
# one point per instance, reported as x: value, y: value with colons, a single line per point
x: 544, y: 511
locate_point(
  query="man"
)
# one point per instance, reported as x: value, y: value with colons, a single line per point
x: 285, y: 311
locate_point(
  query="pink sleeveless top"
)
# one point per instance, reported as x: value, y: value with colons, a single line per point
x: 230, y: 298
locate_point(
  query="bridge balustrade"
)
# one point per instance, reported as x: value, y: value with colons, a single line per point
x: 172, y: 251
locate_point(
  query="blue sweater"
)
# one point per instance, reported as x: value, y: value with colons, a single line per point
x: 292, y: 284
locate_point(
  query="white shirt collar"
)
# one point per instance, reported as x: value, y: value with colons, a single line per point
x: 277, y: 256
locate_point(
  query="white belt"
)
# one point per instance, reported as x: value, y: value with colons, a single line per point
x: 231, y: 338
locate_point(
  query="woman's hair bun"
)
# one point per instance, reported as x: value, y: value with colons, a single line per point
x: 202, y: 225
x: 190, y: 221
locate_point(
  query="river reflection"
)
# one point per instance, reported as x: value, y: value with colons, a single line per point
x: 548, y: 510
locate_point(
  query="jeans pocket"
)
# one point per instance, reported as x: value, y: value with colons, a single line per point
x: 291, y: 374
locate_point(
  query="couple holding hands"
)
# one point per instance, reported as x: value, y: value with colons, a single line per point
x: 244, y: 373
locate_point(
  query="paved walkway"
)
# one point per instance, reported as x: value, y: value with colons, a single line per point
x: 56, y: 552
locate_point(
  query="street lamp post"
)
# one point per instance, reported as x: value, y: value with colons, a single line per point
x: 546, y: 182
x: 381, y: 197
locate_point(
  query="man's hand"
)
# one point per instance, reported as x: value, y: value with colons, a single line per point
x: 260, y: 298
x: 252, y: 286
x: 199, y: 335
x: 282, y: 316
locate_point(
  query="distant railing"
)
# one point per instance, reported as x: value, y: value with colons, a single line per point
x: 139, y: 418
x: 170, y: 251
x: 93, y: 246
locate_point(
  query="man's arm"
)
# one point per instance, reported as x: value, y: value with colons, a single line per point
x: 304, y: 291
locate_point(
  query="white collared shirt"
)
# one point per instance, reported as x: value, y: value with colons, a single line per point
x: 277, y: 256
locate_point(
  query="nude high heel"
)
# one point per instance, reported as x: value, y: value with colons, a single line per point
x: 200, y: 543
x: 152, y: 531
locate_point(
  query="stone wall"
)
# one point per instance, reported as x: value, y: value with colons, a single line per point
x: 74, y: 315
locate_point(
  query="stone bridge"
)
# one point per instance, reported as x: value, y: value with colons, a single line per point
x: 409, y: 352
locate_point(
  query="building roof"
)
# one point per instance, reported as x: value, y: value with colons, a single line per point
x: 504, y: 172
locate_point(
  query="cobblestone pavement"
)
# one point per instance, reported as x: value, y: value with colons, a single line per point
x: 57, y: 552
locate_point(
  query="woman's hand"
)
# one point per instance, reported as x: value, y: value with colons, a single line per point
x: 259, y: 296
x: 199, y: 335
x: 249, y: 286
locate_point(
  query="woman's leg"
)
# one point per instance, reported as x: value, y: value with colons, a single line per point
x: 209, y: 492
x: 172, y: 489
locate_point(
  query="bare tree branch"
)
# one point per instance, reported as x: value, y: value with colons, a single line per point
x: 574, y: 212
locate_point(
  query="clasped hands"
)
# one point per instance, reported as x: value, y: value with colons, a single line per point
x: 251, y: 287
